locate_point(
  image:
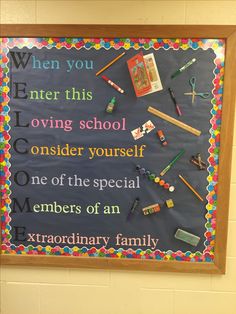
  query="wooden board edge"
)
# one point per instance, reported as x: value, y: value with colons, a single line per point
x: 130, y: 30
x: 225, y: 157
x: 228, y: 32
x: 110, y: 264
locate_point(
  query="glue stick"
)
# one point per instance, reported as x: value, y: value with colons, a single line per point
x: 111, y: 106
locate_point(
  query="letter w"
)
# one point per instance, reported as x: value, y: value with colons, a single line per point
x: 18, y: 58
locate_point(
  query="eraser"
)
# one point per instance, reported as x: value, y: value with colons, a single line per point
x: 169, y: 203
x: 187, y: 237
x: 155, y: 208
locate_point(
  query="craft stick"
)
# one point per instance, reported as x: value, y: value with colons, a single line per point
x: 109, y: 64
x: 178, y: 123
x: 191, y: 188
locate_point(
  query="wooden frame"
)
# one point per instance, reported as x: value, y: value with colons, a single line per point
x: 175, y: 31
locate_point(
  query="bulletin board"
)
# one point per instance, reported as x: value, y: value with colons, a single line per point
x: 116, y: 146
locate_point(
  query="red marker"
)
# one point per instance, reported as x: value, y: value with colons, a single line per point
x: 113, y: 84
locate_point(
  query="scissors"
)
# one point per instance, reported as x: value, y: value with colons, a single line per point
x: 192, y: 82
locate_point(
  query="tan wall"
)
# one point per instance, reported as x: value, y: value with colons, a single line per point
x: 67, y: 291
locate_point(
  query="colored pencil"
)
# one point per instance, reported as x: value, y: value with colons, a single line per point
x: 178, y: 123
x: 191, y: 188
x: 164, y: 171
x: 109, y: 64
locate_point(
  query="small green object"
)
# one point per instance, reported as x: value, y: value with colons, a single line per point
x: 151, y: 210
x: 111, y: 106
x: 152, y: 177
x: 187, y: 237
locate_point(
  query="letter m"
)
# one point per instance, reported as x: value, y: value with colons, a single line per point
x: 20, y: 207
x: 20, y: 58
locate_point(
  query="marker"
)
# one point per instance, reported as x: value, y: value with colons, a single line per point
x: 183, y: 68
x: 113, y: 84
x: 175, y: 102
x: 133, y: 207
x: 164, y: 171
x: 109, y: 64
x: 191, y: 188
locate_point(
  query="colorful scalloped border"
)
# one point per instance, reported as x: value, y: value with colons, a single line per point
x: 217, y: 45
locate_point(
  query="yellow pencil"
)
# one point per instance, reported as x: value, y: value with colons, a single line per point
x: 191, y: 188
x: 109, y: 64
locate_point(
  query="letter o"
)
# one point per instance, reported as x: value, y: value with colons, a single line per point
x: 26, y: 175
x: 118, y: 125
x: 104, y: 125
x: 32, y: 123
x: 59, y: 239
x: 32, y: 150
x: 55, y: 181
x: 79, y: 64
x: 101, y: 150
x: 90, y: 209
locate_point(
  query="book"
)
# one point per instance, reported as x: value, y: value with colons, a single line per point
x: 144, y: 74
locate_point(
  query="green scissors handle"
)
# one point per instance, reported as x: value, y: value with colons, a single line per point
x: 192, y: 82
x: 203, y: 95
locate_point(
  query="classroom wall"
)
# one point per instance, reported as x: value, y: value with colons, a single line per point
x: 38, y: 290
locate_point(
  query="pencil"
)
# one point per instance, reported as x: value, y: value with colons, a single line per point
x: 109, y: 64
x: 191, y: 188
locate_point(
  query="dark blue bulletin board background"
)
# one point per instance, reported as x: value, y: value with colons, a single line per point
x: 188, y: 212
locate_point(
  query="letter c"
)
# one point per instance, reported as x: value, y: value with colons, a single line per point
x: 15, y: 147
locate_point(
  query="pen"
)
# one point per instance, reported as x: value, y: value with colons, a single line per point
x: 133, y: 207
x: 183, y: 68
x: 175, y: 102
x: 164, y: 171
x: 113, y: 84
